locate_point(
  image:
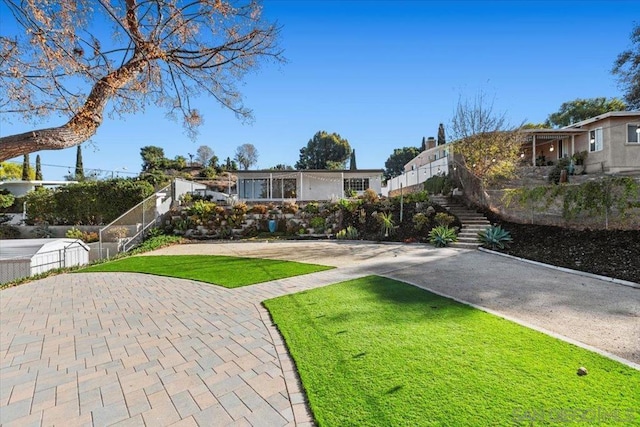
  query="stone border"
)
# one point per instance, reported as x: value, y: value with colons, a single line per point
x: 302, y: 415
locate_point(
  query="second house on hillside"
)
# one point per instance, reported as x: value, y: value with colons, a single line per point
x: 611, y: 142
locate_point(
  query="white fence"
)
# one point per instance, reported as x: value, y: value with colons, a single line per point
x: 418, y: 176
x: 71, y: 255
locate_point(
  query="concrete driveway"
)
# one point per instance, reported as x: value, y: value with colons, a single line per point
x: 131, y: 349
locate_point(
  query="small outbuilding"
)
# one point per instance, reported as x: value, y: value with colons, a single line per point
x: 26, y: 257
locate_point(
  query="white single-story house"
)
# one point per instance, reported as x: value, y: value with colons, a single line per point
x: 611, y: 141
x: 20, y: 188
x: 26, y: 257
x: 306, y: 185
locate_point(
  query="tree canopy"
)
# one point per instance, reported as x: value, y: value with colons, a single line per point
x: 324, y: 151
x: 627, y: 69
x: 246, y: 155
x: 161, y: 53
x: 394, y: 165
x: 10, y: 171
x: 582, y: 109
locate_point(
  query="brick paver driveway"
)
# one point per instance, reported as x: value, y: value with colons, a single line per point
x: 131, y: 349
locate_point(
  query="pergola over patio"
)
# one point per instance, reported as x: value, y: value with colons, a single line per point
x: 543, y: 137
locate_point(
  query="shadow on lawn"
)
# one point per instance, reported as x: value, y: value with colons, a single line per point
x: 391, y: 297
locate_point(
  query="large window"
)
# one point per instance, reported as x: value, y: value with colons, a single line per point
x: 356, y: 184
x: 633, y: 134
x: 254, y: 189
x: 595, y: 140
x: 284, y: 188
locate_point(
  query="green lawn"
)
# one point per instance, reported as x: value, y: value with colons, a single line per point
x: 230, y: 272
x: 374, y: 351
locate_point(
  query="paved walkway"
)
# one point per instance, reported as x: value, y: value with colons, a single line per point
x: 129, y: 349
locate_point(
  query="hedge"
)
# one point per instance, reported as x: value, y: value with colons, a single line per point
x: 86, y: 203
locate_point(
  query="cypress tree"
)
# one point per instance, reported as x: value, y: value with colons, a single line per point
x: 25, y: 168
x: 38, y: 169
x: 79, y: 175
x: 352, y: 161
x: 424, y: 143
x: 441, y: 138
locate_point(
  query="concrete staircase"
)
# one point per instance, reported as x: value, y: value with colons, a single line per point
x: 472, y: 222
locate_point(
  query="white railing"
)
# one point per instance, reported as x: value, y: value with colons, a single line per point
x: 418, y: 176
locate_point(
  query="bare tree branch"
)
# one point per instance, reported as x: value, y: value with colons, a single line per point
x: 164, y: 53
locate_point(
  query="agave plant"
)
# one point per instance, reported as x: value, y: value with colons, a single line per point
x: 441, y: 236
x: 350, y: 233
x: 494, y: 237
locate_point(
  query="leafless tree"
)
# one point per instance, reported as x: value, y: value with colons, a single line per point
x: 163, y: 53
x: 246, y: 156
x: 203, y: 154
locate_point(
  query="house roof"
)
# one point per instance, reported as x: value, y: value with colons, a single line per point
x: 552, y: 133
x: 314, y: 171
x: 635, y: 114
x: 26, y: 248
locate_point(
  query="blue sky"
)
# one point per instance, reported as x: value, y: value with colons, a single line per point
x: 383, y: 74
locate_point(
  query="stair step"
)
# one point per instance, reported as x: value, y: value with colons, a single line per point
x: 464, y: 245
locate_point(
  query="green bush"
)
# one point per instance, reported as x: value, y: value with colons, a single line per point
x: 494, y: 237
x: 443, y: 218
x: 74, y: 233
x: 420, y: 221
x: 86, y: 203
x: 438, y: 184
x: 441, y: 236
x: 349, y: 233
x: 554, y: 174
x: 317, y: 223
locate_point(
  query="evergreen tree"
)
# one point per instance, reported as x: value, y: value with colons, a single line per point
x: 424, y: 143
x: 38, y: 169
x: 441, y: 138
x: 352, y: 161
x: 79, y: 175
x: 25, y: 168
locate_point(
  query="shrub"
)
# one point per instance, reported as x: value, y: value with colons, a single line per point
x: 240, y: 208
x: 156, y: 242
x: 417, y: 197
x: 90, y: 237
x: 420, y: 221
x: 88, y: 203
x: 311, y: 208
x: 289, y: 208
x: 438, y: 184
x: 258, y: 209
x: 350, y: 233
x: 317, y: 223
x: 201, y: 210
x: 441, y: 236
x: 6, y: 199
x: 74, y: 233
x: 444, y: 219
x: 494, y: 237
x: 554, y: 174
x: 370, y: 196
